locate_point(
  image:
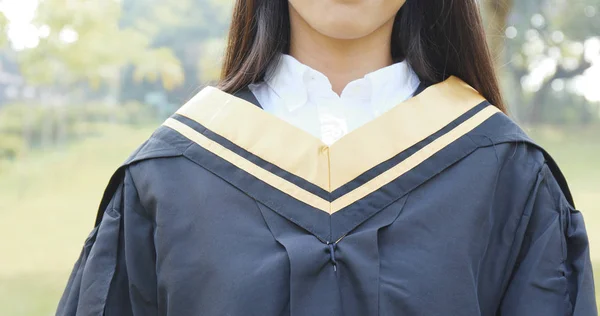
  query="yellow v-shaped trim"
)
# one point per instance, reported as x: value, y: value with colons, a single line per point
x: 330, y: 167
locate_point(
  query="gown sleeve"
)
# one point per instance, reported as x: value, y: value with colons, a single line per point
x: 115, y: 270
x: 552, y: 274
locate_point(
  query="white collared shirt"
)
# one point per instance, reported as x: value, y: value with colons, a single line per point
x: 303, y: 97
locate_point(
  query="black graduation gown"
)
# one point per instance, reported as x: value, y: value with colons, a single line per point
x: 441, y: 206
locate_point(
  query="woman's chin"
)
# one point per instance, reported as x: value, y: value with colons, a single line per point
x: 345, y: 19
x: 343, y: 31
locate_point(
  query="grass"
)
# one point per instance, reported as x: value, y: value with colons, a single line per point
x: 31, y: 294
x: 577, y: 152
x: 48, y: 203
x: 47, y: 207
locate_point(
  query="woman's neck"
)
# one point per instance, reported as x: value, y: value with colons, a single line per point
x: 341, y: 60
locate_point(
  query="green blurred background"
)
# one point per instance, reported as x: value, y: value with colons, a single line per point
x: 83, y: 82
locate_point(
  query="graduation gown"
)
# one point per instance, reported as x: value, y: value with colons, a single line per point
x: 441, y: 206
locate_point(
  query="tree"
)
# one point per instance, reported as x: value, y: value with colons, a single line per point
x: 82, y: 47
x: 189, y: 27
x: 84, y: 42
x: 543, y: 55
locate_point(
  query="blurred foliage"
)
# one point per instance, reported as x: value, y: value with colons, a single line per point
x: 118, y: 62
x: 83, y: 41
x: 26, y: 126
x: 209, y: 66
x: 542, y: 48
x: 190, y: 28
x: 3, y: 30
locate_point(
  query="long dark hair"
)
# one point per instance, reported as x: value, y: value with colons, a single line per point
x: 437, y: 38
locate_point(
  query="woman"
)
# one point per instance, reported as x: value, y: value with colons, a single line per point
x: 354, y: 160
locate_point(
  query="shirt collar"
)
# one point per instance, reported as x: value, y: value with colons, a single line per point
x: 392, y: 85
x: 293, y: 81
x: 286, y: 78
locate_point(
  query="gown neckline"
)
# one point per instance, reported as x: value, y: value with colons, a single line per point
x: 328, y: 178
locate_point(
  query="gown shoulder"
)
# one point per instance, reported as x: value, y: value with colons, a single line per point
x: 511, y: 144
